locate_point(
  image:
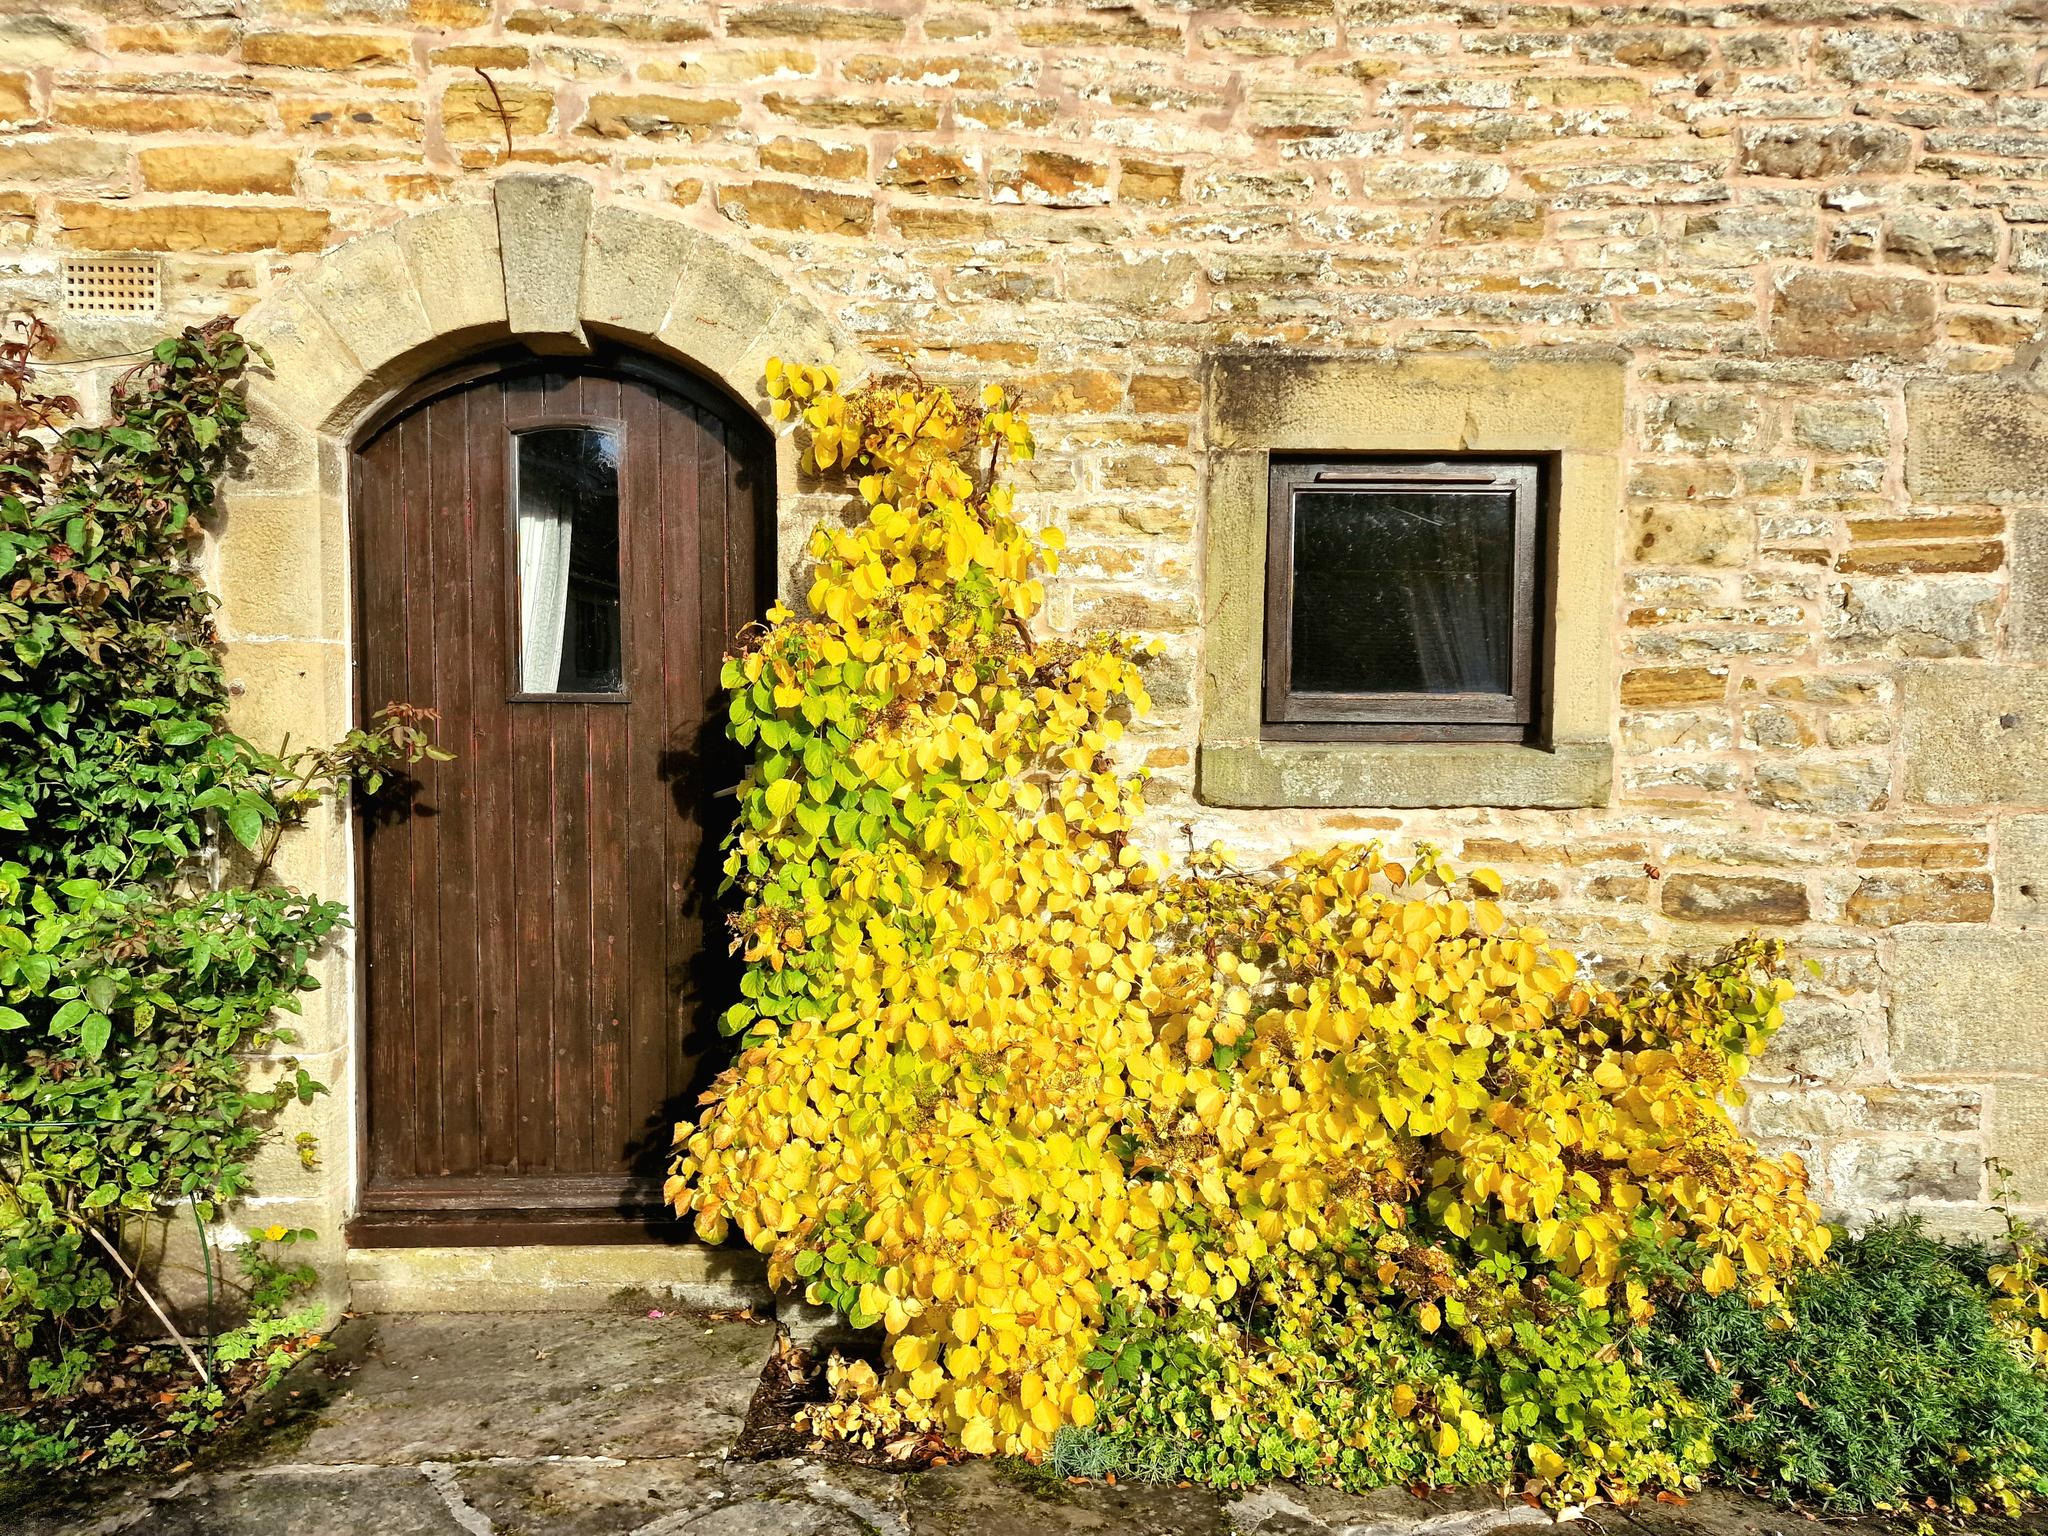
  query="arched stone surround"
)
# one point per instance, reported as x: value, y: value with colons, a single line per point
x: 543, y: 264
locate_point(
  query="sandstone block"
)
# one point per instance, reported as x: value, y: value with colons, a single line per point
x: 929, y: 169
x: 457, y: 267
x: 631, y: 267
x: 217, y: 168
x: 1691, y: 535
x: 2026, y: 613
x: 325, y: 50
x: 1883, y: 1175
x: 1976, y: 441
x: 1920, y: 896
x: 1500, y: 218
x: 1968, y: 1001
x: 1702, y: 423
x: 53, y: 162
x: 2017, y: 1136
x: 160, y: 111
x: 471, y: 112
x: 1915, y: 616
x: 1663, y: 687
x: 1977, y: 61
x: 792, y: 206
x: 1844, y: 427
x: 1810, y: 151
x: 851, y: 112
x: 1047, y: 179
x: 656, y: 117
x: 1947, y: 243
x: 17, y: 97
x: 95, y: 226
x: 365, y: 290
x: 1148, y: 181
x: 1825, y: 786
x: 542, y: 222
x: 1819, y: 313
x: 807, y: 157
x: 1743, y: 237
x: 1133, y: 281
x: 813, y: 21
x: 1742, y: 899
x: 624, y: 26
x: 1975, y: 734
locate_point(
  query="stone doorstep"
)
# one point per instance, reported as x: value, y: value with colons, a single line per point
x: 566, y: 1278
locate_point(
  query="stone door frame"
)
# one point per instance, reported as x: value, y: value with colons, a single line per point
x: 544, y: 264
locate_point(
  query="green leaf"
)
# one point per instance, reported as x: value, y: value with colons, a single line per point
x: 246, y: 823
x: 92, y: 1039
x: 10, y: 1019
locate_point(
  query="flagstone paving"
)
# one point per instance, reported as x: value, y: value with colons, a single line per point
x: 618, y: 1424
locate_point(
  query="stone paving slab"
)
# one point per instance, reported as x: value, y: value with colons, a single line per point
x: 617, y: 1424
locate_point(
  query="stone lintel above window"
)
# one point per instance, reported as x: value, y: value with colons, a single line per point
x: 1566, y: 407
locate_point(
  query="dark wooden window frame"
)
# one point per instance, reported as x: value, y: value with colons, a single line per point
x: 556, y: 421
x: 1289, y: 715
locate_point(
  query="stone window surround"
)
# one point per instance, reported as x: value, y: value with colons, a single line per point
x: 1566, y: 405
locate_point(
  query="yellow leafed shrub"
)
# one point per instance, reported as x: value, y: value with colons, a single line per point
x: 1003, y: 1073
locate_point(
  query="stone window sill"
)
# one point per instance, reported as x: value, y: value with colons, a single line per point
x: 1409, y: 775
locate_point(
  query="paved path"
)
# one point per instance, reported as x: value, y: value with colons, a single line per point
x: 617, y: 1424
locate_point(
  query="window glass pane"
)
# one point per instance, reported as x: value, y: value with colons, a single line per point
x: 568, y: 538
x: 1403, y: 591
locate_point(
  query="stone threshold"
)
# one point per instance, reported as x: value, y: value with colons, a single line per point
x: 556, y: 1278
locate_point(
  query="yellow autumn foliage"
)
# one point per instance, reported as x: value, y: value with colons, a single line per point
x: 999, y: 1067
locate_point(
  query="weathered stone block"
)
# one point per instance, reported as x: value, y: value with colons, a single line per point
x: 1976, y: 441
x: 2022, y: 869
x: 790, y: 205
x: 217, y: 168
x: 808, y: 157
x: 1691, y: 535
x: 1047, y: 179
x: 2018, y: 1136
x: 1920, y: 896
x: 99, y: 226
x: 656, y: 117
x: 1976, y: 735
x: 1915, y: 616
x: 1945, y: 243
x: 457, y: 267
x: 472, y: 113
x: 1823, y: 785
x: 631, y: 267
x: 1847, y: 427
x: 934, y: 170
x: 1745, y: 899
x: 1809, y: 151
x: 366, y: 290
x: 1701, y: 423
x: 1883, y: 1175
x: 325, y: 50
x: 1968, y: 1001
x: 1818, y: 313
x: 542, y: 223
x: 1977, y: 61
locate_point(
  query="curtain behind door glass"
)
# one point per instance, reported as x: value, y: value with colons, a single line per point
x: 568, y: 536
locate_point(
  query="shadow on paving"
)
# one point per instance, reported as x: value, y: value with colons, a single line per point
x: 617, y: 1425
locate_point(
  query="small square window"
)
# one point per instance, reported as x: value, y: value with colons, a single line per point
x: 1401, y: 598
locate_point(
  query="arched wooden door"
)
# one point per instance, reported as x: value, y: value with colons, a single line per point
x: 555, y: 557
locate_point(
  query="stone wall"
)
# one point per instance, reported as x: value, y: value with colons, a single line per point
x: 1816, y: 231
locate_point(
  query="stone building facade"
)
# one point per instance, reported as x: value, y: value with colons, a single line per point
x: 1767, y: 279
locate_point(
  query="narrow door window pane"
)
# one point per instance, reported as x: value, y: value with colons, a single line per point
x: 568, y: 537
x: 1403, y: 591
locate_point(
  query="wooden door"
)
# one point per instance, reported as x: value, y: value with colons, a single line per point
x: 555, y: 558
